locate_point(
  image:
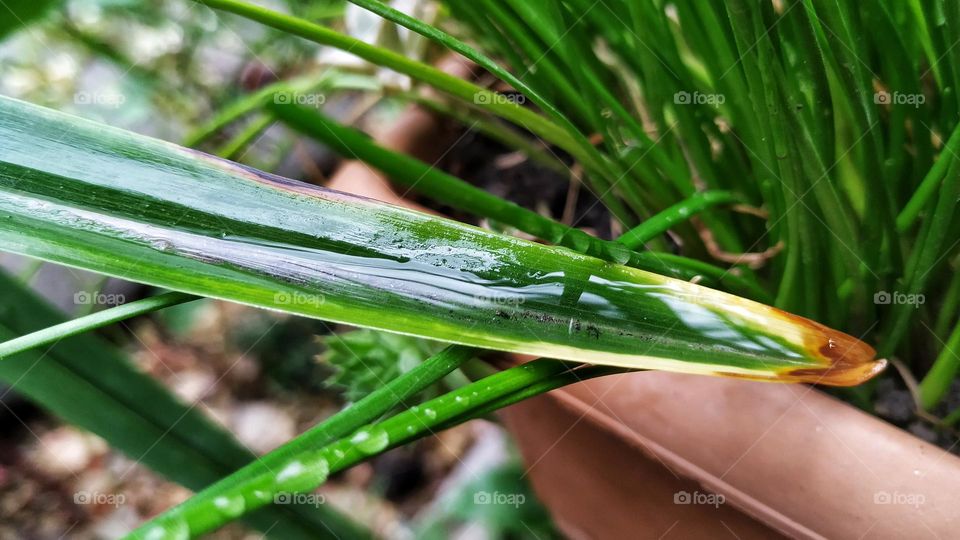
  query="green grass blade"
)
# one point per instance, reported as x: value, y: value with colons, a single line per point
x: 85, y: 382
x: 678, y: 213
x: 52, y: 334
x: 936, y: 383
x: 79, y: 193
x: 459, y: 88
x: 449, y: 190
x: 369, y: 409
x: 310, y: 467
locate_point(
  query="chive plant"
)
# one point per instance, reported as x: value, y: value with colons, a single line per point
x: 835, y: 121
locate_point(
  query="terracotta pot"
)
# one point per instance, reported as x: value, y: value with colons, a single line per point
x: 641, y: 455
x: 652, y: 455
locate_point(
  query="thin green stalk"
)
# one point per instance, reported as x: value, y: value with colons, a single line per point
x: 454, y: 192
x: 928, y: 187
x: 246, y: 104
x: 950, y: 307
x: 936, y: 383
x: 454, y: 44
x: 670, y: 264
x: 952, y: 418
x: 235, y: 146
x: 444, y: 82
x: 493, y: 129
x: 53, y: 334
x: 552, y: 383
x: 682, y: 211
x: 370, y: 408
x: 929, y: 250
x: 441, y: 186
x: 307, y: 469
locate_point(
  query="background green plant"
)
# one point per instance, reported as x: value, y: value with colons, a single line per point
x: 682, y: 109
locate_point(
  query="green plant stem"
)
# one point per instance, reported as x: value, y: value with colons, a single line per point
x: 246, y: 104
x: 454, y: 192
x: 950, y: 307
x: 441, y: 186
x: 937, y: 381
x: 308, y: 469
x: 588, y: 155
x: 456, y: 87
x: 929, y: 250
x: 235, y: 146
x: 53, y: 334
x: 367, y: 410
x: 928, y: 186
x: 542, y: 387
x: 683, y: 210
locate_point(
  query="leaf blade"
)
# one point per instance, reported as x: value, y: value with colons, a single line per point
x: 81, y: 194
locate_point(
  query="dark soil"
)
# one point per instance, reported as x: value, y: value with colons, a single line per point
x: 474, y: 158
x: 893, y: 403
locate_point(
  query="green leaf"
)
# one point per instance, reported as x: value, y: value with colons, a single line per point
x: 300, y: 465
x: 88, y: 384
x: 82, y: 194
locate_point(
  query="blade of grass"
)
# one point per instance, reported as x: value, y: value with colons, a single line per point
x: 311, y: 467
x: 936, y: 383
x: 928, y: 187
x: 87, y: 383
x: 381, y: 401
x: 52, y: 334
x: 454, y: 192
x: 459, y: 88
x: 678, y: 213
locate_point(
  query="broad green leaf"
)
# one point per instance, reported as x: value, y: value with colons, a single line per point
x: 83, y: 194
x: 88, y: 384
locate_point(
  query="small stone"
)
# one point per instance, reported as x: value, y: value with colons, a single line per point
x: 262, y: 426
